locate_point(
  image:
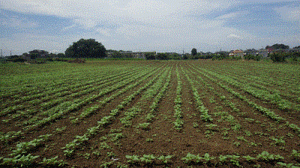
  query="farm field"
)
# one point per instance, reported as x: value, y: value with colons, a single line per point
x: 150, y: 114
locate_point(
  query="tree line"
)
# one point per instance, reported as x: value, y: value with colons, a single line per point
x: 90, y: 48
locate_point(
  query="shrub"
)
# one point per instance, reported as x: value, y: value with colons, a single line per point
x: 253, y: 57
x: 16, y: 59
x: 278, y: 57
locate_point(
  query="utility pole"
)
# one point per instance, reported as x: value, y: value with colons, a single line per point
x: 1, y: 53
x: 10, y: 52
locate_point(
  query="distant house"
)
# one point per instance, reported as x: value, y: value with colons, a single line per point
x: 139, y: 55
x: 237, y: 53
x: 125, y: 54
x: 263, y: 52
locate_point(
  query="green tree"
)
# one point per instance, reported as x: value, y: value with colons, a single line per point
x: 278, y: 47
x: 278, y: 57
x: 161, y: 56
x: 186, y: 56
x: 175, y: 56
x: 86, y: 48
x: 150, y: 55
x: 38, y: 54
x: 116, y: 54
x: 60, y: 55
x: 194, y: 52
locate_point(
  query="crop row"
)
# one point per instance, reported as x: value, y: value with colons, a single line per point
x: 68, y: 106
x: 70, y: 148
x: 110, y: 87
x: 267, y: 112
x: 200, y: 106
x: 177, y: 103
x: 80, y: 89
x: 261, y: 94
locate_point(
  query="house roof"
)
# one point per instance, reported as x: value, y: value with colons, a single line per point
x: 237, y: 51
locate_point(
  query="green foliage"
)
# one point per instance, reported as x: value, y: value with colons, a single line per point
x: 288, y: 165
x: 211, y: 126
x: 25, y: 147
x: 278, y: 46
x: 144, y: 126
x: 278, y: 57
x: 147, y: 159
x: 178, y: 124
x: 253, y: 57
x: 165, y: 159
x: 265, y: 156
x: 53, y: 162
x: 16, y: 59
x: 4, y: 137
x: 230, y: 159
x: 86, y: 48
x: 194, y: 52
x: 161, y: 56
x: 20, y: 161
x: 191, y: 158
x: 296, y: 155
x: 150, y: 55
x: 134, y: 159
x: 249, y: 158
x: 278, y: 141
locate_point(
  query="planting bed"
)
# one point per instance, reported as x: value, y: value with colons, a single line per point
x: 150, y: 114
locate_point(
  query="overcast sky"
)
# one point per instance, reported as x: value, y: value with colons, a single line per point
x: 148, y: 25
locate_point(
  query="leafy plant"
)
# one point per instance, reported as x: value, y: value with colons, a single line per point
x: 230, y: 158
x: 265, y: 156
x: 279, y: 141
x: 249, y: 158
x: 53, y: 162
x: 148, y: 159
x: 191, y: 158
x: 296, y: 155
x: 20, y: 160
x: 144, y: 126
x: 165, y: 159
x: 134, y: 159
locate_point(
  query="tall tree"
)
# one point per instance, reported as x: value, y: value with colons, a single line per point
x: 194, y: 52
x: 161, y: 56
x: 278, y: 46
x: 86, y: 48
x: 150, y: 55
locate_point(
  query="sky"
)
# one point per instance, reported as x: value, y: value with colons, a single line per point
x: 148, y: 25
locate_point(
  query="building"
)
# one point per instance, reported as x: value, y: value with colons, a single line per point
x: 237, y: 53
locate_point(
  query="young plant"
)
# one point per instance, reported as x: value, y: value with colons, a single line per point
x: 53, y: 162
x: 20, y: 160
x: 144, y: 126
x: 265, y: 156
x: 165, y: 159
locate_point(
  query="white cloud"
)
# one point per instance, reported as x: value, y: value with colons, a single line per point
x: 142, y: 24
x: 90, y: 13
x: 234, y: 36
x: 104, y: 32
x: 17, y: 22
x: 265, y: 1
x: 232, y: 15
x: 289, y: 13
